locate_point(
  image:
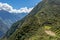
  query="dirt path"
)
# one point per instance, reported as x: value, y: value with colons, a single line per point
x: 50, y: 33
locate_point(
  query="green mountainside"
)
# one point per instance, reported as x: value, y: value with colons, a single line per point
x: 42, y: 23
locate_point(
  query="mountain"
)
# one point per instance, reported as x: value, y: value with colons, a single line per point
x: 7, y: 19
x: 42, y: 23
x: 10, y: 18
x: 3, y: 28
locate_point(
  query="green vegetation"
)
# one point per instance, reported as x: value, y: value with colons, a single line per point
x: 46, y: 15
x: 47, y: 27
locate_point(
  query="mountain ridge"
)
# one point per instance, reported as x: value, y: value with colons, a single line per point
x: 10, y: 18
x: 7, y: 19
x: 45, y: 17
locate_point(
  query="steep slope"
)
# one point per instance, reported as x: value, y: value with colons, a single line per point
x: 43, y: 23
x: 10, y: 18
x: 7, y: 19
x: 3, y: 28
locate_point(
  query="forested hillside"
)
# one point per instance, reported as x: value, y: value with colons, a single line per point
x: 42, y: 23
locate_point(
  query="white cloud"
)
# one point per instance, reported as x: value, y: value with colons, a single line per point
x: 9, y: 8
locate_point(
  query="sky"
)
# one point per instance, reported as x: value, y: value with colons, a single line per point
x: 18, y: 5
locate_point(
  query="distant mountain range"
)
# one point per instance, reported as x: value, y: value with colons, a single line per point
x: 7, y: 19
x: 3, y: 28
x: 10, y: 18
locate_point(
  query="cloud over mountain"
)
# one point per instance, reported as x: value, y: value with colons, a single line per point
x: 9, y: 8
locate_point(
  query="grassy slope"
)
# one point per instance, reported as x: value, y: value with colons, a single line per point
x: 34, y: 26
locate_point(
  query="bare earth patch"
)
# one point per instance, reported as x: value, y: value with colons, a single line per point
x: 50, y: 33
